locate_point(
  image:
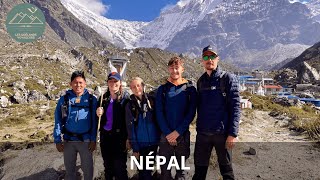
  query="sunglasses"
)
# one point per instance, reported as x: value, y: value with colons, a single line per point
x: 206, y: 58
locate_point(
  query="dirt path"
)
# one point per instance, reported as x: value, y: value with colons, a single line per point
x: 280, y: 154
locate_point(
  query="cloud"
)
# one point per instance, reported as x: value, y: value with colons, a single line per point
x: 180, y: 4
x: 167, y: 7
x: 96, y: 6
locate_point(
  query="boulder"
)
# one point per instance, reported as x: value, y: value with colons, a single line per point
x: 36, y: 96
x: 19, y: 98
x: 19, y: 85
x: 4, y: 101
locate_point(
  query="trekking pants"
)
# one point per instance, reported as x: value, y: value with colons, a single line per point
x: 202, y: 153
x: 145, y: 174
x: 114, y: 156
x: 71, y: 148
x: 166, y: 150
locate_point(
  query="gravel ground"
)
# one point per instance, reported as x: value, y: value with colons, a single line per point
x: 276, y: 153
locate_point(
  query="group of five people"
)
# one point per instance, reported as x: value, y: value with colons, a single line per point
x: 146, y: 123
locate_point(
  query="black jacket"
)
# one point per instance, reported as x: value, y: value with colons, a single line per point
x: 119, y: 129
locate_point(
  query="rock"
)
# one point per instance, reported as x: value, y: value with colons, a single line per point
x: 19, y: 85
x: 252, y: 151
x: 19, y: 98
x: 36, y: 96
x: 41, y: 82
x: 4, y: 101
x: 30, y: 145
x: 7, y: 136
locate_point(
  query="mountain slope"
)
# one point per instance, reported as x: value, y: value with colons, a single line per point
x: 188, y: 13
x: 121, y: 33
x: 240, y: 29
x: 307, y: 65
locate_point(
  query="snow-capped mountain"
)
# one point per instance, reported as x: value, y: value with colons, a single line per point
x: 236, y: 28
x: 184, y: 14
x: 121, y: 33
x: 314, y: 6
x: 240, y: 29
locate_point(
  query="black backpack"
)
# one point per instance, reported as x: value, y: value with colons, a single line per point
x: 64, y: 115
x: 135, y: 109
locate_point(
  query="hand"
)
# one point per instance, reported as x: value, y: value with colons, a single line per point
x: 172, y: 138
x: 92, y: 146
x: 99, y: 111
x: 230, y: 142
x: 128, y: 145
x: 59, y: 147
x: 136, y: 154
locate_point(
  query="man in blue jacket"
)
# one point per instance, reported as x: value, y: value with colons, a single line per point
x: 175, y: 109
x: 218, y: 116
x: 75, y: 118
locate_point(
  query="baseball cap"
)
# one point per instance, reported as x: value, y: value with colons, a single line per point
x: 208, y: 49
x: 114, y: 75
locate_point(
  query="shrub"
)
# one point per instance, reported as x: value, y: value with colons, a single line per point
x: 13, y: 121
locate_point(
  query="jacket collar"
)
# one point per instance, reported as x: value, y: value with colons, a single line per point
x: 215, y: 73
x: 184, y: 81
x: 72, y: 94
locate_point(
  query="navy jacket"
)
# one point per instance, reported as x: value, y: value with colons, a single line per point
x: 175, y: 107
x: 215, y: 114
x: 143, y: 130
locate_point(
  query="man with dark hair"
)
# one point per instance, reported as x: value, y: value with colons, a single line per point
x: 75, y: 118
x: 218, y: 116
x: 175, y: 109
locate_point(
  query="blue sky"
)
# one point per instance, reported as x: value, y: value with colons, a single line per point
x: 132, y: 10
x: 135, y: 10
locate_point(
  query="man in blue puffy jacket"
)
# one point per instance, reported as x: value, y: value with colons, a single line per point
x: 175, y: 110
x: 75, y: 118
x: 218, y: 116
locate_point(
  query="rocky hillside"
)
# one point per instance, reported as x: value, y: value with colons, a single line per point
x: 34, y: 75
x: 307, y: 65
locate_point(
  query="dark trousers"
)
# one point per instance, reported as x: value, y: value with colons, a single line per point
x: 114, y: 156
x: 147, y: 174
x: 166, y: 150
x: 202, y: 153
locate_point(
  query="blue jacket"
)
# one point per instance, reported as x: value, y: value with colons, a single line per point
x: 143, y: 130
x: 79, y: 119
x: 217, y: 115
x: 175, y: 107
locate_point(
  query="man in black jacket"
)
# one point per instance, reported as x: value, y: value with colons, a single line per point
x: 218, y: 116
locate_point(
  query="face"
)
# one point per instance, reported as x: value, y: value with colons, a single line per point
x: 136, y: 87
x: 78, y: 84
x: 212, y: 62
x: 175, y: 71
x: 113, y: 85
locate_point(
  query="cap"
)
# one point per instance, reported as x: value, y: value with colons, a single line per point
x: 208, y: 49
x: 114, y: 75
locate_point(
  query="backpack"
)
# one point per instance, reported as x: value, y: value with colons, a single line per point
x: 134, y: 107
x: 64, y: 115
